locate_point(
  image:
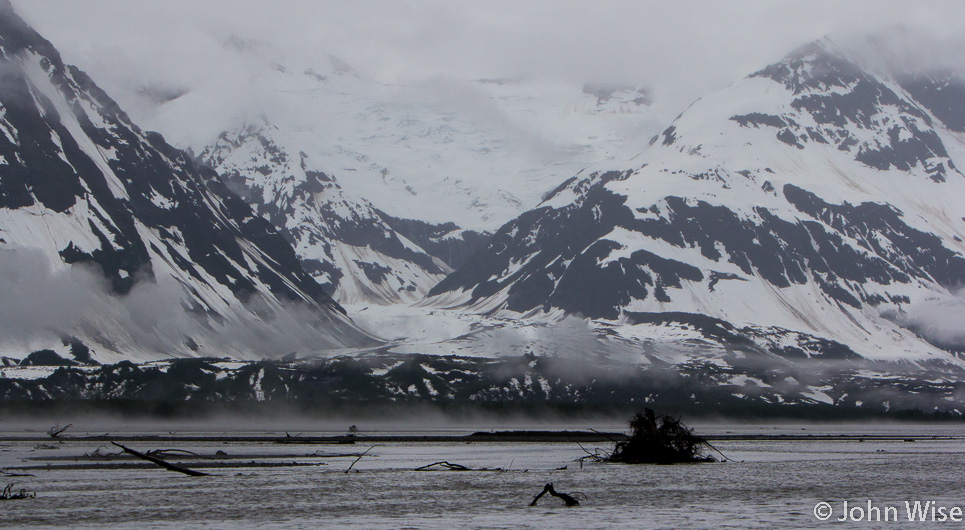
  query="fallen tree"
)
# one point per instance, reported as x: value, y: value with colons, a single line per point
x: 658, y: 440
x: 162, y: 463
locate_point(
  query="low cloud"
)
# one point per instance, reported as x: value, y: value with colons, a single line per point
x: 36, y: 302
x: 681, y: 50
x: 40, y: 305
x: 941, y: 320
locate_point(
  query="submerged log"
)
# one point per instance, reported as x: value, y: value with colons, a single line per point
x: 447, y: 465
x: 162, y: 463
x: 569, y: 500
x: 455, y: 467
x: 9, y: 495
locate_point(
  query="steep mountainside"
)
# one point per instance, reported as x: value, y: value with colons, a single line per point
x: 85, y: 192
x: 801, y: 211
x: 341, y: 240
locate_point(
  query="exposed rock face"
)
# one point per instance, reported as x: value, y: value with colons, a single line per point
x: 341, y: 240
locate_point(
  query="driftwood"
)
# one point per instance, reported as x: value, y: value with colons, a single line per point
x: 173, y: 456
x: 9, y: 495
x: 569, y: 500
x: 56, y: 430
x: 167, y: 453
x: 357, y: 459
x: 596, y: 455
x: 447, y: 465
x: 320, y: 454
x: 162, y: 463
x: 6, y: 473
x: 98, y: 453
x: 455, y: 467
x: 198, y: 465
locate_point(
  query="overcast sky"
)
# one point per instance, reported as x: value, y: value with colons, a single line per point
x: 679, y: 49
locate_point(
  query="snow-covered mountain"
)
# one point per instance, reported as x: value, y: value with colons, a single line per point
x: 384, y: 189
x: 806, y: 210
x: 86, y: 196
x: 472, y: 152
x: 806, y: 213
x: 341, y: 240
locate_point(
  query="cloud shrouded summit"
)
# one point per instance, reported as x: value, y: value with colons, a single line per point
x: 681, y: 50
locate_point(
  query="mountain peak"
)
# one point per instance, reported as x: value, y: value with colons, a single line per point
x: 19, y: 36
x: 817, y: 66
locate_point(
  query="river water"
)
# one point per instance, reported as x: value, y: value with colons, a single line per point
x: 767, y: 484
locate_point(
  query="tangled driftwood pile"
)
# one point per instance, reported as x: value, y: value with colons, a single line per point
x: 656, y: 440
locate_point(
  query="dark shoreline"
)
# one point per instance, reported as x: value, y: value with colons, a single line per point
x: 395, y: 385
x: 310, y: 409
